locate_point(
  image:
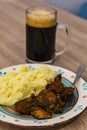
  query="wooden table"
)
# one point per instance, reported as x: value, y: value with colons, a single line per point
x: 12, y: 45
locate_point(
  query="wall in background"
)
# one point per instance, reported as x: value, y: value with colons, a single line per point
x: 72, y: 6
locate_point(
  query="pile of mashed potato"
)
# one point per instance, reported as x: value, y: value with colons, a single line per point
x: 16, y: 86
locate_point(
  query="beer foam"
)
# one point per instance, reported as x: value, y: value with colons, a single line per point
x: 41, y: 18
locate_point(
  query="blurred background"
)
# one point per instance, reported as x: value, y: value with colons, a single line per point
x: 76, y: 7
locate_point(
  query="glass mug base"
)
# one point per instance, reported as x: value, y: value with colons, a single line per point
x: 41, y: 62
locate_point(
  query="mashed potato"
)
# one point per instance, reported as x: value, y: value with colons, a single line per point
x: 15, y: 86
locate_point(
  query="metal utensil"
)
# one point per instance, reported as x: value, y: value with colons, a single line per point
x: 73, y: 99
x: 79, y: 72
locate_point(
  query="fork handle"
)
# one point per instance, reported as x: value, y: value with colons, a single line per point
x: 79, y: 72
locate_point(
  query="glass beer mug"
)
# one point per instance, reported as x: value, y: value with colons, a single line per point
x: 41, y: 26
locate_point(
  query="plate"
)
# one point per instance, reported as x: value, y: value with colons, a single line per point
x: 9, y: 115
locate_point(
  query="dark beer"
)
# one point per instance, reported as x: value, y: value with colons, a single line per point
x: 40, y: 36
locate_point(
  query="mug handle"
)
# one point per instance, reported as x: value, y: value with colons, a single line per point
x: 66, y: 29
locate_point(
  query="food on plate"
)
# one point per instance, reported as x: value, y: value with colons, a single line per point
x: 21, y: 84
x: 52, y: 100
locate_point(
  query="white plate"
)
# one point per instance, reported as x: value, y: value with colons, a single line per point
x: 7, y: 115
